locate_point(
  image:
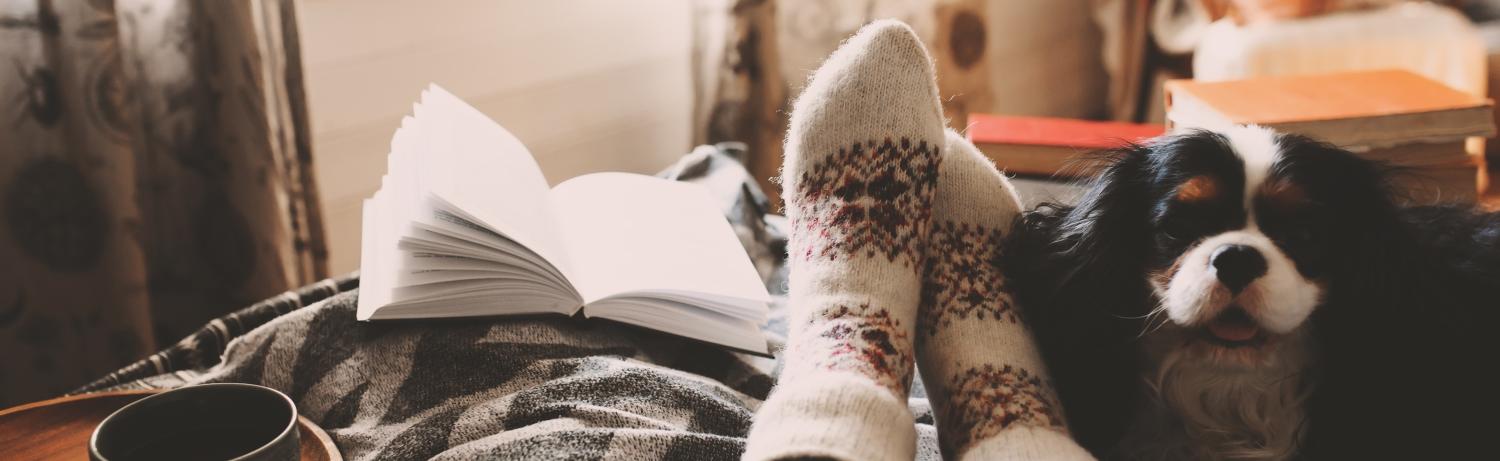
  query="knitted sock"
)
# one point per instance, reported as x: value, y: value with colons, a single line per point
x: 861, y: 164
x: 988, y: 387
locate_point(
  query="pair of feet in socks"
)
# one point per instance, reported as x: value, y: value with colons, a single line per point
x: 895, y: 260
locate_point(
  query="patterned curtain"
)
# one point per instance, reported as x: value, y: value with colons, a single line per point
x: 752, y: 57
x: 155, y: 173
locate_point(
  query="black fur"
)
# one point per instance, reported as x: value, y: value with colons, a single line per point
x: 1405, y: 369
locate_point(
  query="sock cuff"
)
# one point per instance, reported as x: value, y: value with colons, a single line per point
x: 835, y: 416
x: 1026, y: 443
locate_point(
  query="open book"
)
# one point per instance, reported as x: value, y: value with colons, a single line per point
x: 465, y: 225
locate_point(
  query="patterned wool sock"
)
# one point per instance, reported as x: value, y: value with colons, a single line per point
x: 861, y: 162
x: 988, y: 387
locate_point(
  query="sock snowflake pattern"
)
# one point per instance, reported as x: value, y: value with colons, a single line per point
x: 988, y: 400
x: 867, y: 198
x: 865, y: 340
x: 962, y: 277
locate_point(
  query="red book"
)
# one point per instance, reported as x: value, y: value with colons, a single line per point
x: 1048, y: 146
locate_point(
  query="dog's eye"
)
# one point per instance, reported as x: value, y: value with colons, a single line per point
x: 1297, y: 230
x: 1180, y: 228
x: 1298, y: 235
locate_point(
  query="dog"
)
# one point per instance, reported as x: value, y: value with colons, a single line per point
x: 1244, y: 294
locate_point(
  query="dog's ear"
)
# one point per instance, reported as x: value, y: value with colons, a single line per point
x: 1113, y: 215
x: 1387, y: 302
x: 1058, y: 256
x: 1394, y: 304
x: 1077, y: 277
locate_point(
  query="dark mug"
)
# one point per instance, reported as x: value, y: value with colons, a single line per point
x: 227, y: 421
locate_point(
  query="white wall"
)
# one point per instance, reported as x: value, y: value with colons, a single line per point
x: 588, y: 85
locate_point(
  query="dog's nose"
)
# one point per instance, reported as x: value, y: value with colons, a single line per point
x: 1237, y: 266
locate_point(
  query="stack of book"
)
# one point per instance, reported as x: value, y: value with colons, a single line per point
x: 1042, y: 146
x: 1393, y: 116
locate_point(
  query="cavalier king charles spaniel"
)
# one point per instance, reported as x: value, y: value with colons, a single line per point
x: 1242, y: 294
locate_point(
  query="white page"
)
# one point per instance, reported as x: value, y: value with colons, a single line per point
x: 474, y: 305
x: 686, y: 320
x: 374, y: 291
x: 445, y: 275
x: 458, y: 288
x: 480, y: 170
x: 445, y: 155
x: 378, y: 266
x: 433, y: 223
x: 634, y: 234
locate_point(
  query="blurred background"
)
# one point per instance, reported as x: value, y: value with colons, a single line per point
x: 164, y: 162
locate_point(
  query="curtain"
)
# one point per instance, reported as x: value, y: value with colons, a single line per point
x: 155, y: 173
x: 751, y: 58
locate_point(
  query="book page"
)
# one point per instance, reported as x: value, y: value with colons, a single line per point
x: 633, y: 234
x: 482, y: 172
x: 686, y: 320
x: 375, y: 270
x: 461, y: 214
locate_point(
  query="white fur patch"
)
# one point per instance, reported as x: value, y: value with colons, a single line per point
x: 1206, y: 411
x: 1257, y: 148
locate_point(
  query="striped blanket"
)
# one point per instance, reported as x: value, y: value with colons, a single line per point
x: 509, y: 388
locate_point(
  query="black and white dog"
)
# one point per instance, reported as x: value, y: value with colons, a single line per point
x: 1240, y: 294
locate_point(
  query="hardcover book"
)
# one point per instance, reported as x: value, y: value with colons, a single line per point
x: 1393, y: 116
x: 1360, y: 109
x: 1050, y: 146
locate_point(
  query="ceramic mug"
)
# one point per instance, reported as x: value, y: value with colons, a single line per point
x: 225, y: 421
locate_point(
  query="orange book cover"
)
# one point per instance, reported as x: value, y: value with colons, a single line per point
x: 1344, y: 95
x: 1059, y: 132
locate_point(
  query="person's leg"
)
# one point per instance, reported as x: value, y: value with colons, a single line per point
x: 861, y: 165
x: 982, y: 371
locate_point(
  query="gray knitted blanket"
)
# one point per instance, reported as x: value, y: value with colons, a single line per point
x: 506, y: 388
